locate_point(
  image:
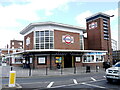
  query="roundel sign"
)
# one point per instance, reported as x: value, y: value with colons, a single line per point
x: 67, y: 39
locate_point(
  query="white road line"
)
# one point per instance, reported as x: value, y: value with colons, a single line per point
x: 75, y: 84
x: 104, y: 76
x: 93, y: 85
x: 50, y: 85
x: 75, y: 81
x: 93, y: 79
x: 34, y: 82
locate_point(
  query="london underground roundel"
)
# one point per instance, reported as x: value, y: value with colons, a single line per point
x: 68, y: 39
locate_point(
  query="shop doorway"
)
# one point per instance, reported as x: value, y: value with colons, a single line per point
x: 68, y: 61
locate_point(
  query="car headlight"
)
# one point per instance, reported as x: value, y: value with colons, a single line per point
x: 115, y: 71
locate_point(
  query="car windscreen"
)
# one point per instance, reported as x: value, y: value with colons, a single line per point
x: 117, y: 65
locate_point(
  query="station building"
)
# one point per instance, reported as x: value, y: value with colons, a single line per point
x: 47, y: 44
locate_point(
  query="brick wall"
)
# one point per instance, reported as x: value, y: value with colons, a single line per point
x: 58, y: 44
x: 31, y: 45
x: 16, y: 44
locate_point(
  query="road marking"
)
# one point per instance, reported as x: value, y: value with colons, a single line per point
x: 34, y: 82
x: 50, y: 85
x: 75, y: 81
x: 93, y: 79
x: 18, y: 85
x: 104, y: 76
x: 93, y: 85
x: 75, y: 84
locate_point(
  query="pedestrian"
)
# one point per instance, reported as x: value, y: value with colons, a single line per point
x: 24, y: 64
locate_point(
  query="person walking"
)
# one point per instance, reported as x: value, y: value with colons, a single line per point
x: 24, y: 64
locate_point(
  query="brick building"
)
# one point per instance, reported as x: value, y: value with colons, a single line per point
x: 99, y: 33
x: 50, y: 43
x: 16, y: 44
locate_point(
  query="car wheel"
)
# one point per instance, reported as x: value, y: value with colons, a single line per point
x: 109, y: 80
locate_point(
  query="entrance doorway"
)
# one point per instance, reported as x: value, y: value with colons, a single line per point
x: 67, y: 61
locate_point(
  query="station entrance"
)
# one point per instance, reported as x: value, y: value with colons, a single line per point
x: 68, y: 61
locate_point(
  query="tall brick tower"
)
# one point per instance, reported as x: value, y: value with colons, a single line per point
x: 99, y: 34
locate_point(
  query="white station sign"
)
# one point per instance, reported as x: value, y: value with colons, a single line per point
x: 67, y: 39
x: 28, y: 41
x: 93, y: 25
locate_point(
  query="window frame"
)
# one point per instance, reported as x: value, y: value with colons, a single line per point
x: 45, y: 57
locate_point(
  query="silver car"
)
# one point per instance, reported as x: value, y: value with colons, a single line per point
x: 113, y: 73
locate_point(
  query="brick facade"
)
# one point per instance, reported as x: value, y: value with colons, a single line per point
x: 16, y: 44
x: 31, y: 45
x: 58, y: 44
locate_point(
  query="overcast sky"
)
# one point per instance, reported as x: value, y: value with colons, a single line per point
x: 17, y: 14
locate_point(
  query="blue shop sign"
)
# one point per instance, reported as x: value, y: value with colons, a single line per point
x: 95, y: 53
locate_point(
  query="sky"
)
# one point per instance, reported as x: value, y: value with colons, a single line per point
x: 15, y: 15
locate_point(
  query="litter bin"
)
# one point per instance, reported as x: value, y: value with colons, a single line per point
x: 87, y: 69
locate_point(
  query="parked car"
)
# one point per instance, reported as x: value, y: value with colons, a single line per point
x: 113, y: 73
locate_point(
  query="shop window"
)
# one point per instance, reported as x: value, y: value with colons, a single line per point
x: 77, y: 59
x: 58, y: 59
x: 42, y: 60
x: 31, y: 60
x: 99, y: 58
x: 88, y: 58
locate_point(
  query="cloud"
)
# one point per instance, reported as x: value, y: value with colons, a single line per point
x: 13, y: 12
x: 81, y: 18
x: 112, y: 12
x: 8, y: 35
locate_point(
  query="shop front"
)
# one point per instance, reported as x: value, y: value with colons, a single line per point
x: 63, y: 58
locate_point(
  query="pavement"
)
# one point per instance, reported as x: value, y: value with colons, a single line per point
x: 20, y: 72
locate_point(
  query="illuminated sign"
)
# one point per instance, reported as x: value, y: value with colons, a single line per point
x: 58, y: 59
x: 68, y: 39
x: 93, y: 25
x: 95, y: 53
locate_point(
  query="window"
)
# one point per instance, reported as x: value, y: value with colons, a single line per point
x: 88, y: 58
x: 44, y: 39
x: 12, y: 43
x: 37, y: 40
x: 42, y: 60
x: 37, y: 33
x: 42, y: 33
x: 99, y: 58
x: 46, y: 33
x: 81, y: 42
x: 31, y: 59
x: 77, y: 59
x: 20, y: 43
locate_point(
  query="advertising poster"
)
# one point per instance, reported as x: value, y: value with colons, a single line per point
x: 58, y: 59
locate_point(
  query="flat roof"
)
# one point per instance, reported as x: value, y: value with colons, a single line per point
x: 31, y: 25
x: 100, y: 14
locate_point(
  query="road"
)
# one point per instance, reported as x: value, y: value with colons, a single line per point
x: 88, y: 80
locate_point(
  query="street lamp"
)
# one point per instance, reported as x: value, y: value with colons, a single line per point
x: 108, y: 42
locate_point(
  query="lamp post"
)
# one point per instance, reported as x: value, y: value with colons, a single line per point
x: 108, y: 41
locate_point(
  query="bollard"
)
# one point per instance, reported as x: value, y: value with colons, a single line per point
x: 30, y: 71
x: 46, y: 70
x: 74, y: 70
x: 61, y: 70
x: 12, y: 78
x: 11, y: 68
x: 97, y: 68
x: 87, y: 69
